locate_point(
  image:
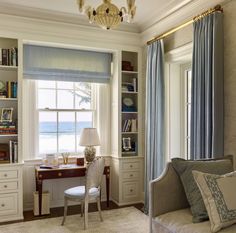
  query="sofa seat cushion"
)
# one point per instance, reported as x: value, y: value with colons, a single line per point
x: 180, y: 221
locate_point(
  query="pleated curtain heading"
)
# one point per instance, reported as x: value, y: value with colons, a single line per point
x: 65, y: 64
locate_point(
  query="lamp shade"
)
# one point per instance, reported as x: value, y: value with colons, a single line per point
x: 89, y: 137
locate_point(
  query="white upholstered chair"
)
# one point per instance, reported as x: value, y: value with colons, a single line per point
x: 89, y: 192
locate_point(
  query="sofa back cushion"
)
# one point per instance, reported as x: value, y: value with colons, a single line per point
x: 218, y: 192
x: 185, y: 167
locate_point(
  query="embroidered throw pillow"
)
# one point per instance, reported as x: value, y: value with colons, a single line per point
x: 184, y: 169
x: 218, y: 192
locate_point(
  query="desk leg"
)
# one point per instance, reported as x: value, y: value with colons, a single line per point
x: 108, y: 188
x: 40, y: 188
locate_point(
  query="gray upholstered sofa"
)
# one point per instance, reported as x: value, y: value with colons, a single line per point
x: 169, y: 210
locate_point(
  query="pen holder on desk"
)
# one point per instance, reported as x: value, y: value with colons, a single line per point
x: 65, y: 157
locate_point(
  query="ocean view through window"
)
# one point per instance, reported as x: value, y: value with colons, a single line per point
x: 64, y: 109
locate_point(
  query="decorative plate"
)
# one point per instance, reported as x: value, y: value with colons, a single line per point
x: 128, y: 102
x: 2, y: 85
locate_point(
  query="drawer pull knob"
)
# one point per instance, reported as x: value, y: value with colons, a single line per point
x: 131, y: 190
x: 5, y: 175
x: 2, y: 205
x: 131, y: 166
x: 59, y: 174
x: 5, y: 186
x: 131, y: 175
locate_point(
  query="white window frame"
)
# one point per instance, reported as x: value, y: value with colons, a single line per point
x: 184, y: 78
x: 174, y: 61
x: 92, y: 109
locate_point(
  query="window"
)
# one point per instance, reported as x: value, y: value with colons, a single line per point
x: 188, y: 85
x: 64, y: 109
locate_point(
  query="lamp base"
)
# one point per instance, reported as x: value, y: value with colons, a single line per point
x: 89, y: 153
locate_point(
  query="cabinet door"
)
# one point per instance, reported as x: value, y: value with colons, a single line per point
x: 8, y: 204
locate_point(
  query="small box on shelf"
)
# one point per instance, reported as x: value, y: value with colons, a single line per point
x: 126, y: 66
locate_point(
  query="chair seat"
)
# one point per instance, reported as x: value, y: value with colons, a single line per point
x: 79, y: 192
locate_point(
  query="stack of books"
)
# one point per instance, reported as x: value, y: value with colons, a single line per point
x: 130, y: 125
x: 11, y: 90
x: 9, y: 57
x: 8, y: 128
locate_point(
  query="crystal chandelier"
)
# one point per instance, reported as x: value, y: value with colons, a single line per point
x: 108, y: 15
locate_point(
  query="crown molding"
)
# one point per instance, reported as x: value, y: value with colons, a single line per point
x: 178, y: 17
x: 165, y: 12
x: 43, y: 14
x: 51, y: 31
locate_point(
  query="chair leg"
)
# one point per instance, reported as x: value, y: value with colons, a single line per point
x: 85, y: 214
x: 65, y: 210
x: 82, y: 209
x: 99, y: 208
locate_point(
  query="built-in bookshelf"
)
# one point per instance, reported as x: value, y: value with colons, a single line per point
x: 8, y: 100
x: 129, y: 104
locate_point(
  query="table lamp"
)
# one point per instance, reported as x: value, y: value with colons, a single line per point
x: 89, y: 138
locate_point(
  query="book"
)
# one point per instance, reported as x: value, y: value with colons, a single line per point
x: 128, y: 126
x: 133, y: 125
x: 4, y: 57
x: 14, y: 90
x: 135, y: 84
x: 13, y: 150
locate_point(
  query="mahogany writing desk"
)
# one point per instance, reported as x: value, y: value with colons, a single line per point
x: 72, y: 170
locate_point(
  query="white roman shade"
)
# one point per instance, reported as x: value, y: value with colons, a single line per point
x: 63, y: 64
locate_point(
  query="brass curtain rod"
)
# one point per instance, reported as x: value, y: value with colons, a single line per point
x: 205, y: 13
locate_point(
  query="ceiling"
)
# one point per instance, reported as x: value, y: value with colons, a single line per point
x: 148, y: 13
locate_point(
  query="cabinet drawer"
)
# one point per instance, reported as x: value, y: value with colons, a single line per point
x: 8, y: 204
x: 8, y: 186
x: 131, y: 175
x: 8, y: 174
x: 130, y: 190
x: 131, y: 165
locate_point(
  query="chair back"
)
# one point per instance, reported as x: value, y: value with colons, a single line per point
x: 94, y: 173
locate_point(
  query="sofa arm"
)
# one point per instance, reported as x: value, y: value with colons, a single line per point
x: 166, y: 193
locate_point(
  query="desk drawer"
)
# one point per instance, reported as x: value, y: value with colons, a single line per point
x: 8, y: 204
x: 62, y: 173
x: 8, y: 174
x: 5, y: 186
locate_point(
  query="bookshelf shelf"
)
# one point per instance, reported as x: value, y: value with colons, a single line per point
x: 2, y: 67
x: 129, y: 112
x: 129, y: 72
x: 129, y: 152
x: 129, y: 132
x: 8, y: 135
x: 129, y: 92
x: 8, y: 99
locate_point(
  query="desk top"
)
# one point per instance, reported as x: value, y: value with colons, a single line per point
x: 60, y: 167
x: 71, y: 166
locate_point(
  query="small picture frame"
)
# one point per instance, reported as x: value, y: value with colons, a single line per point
x: 126, y: 144
x: 6, y: 115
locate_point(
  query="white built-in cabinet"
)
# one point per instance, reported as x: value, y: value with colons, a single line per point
x: 127, y: 155
x: 11, y: 190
